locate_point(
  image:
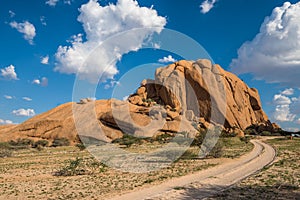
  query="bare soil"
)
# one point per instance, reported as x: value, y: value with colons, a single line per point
x: 28, y: 174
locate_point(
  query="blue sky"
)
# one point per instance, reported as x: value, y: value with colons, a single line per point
x: 38, y: 41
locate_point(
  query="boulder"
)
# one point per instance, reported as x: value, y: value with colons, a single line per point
x: 189, y: 115
x: 136, y: 100
x: 213, y: 94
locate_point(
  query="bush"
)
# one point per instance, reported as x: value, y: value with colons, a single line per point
x: 21, y: 142
x: 217, y: 151
x: 224, y: 134
x: 128, y: 140
x: 80, y: 166
x: 250, y: 131
x: 39, y: 148
x: 189, y: 155
x: 198, y: 140
x: 59, y: 142
x: 163, y: 138
x: 149, y: 100
x: 5, y: 145
x: 71, y: 169
x: 40, y: 143
x: 266, y: 133
x: 245, y: 139
x: 81, y: 146
x: 211, y: 139
x: 4, y: 153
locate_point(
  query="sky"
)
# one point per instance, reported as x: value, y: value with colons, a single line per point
x: 51, y: 50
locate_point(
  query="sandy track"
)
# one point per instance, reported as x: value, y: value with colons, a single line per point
x: 208, y: 182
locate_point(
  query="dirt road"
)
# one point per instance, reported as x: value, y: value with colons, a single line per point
x: 207, y: 182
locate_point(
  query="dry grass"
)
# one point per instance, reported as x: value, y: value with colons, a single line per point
x: 29, y: 173
x: 281, y: 180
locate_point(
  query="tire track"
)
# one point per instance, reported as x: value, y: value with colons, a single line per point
x: 208, y: 182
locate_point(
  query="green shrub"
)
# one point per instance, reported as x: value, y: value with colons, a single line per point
x: 21, y: 142
x: 4, y: 153
x: 225, y: 134
x: 39, y: 148
x: 245, y: 139
x: 149, y: 100
x: 59, y: 142
x: 189, y: 155
x: 266, y: 133
x: 163, y: 138
x: 210, y: 139
x: 198, y: 140
x: 40, y: 143
x: 81, y: 166
x: 72, y: 168
x: 128, y: 140
x: 5, y: 145
x: 217, y: 151
x: 80, y: 146
x: 250, y: 131
x: 12, y: 145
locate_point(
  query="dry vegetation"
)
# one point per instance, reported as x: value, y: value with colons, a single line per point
x: 71, y: 173
x: 281, y: 180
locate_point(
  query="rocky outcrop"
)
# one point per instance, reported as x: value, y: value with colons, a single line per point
x: 60, y: 122
x: 184, y: 96
x: 206, y: 90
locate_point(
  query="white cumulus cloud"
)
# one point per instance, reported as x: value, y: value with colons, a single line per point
x: 27, y: 99
x: 26, y: 28
x: 168, y: 59
x: 36, y: 81
x: 43, y: 20
x: 8, y: 97
x: 100, y: 23
x: 283, y: 112
x: 274, y: 54
x: 281, y: 99
x: 42, y: 82
x: 45, y: 60
x: 2, y: 122
x: 9, y: 73
x: 69, y: 2
x: 52, y: 2
x: 288, y: 92
x: 24, y: 112
x: 207, y: 5
x: 295, y: 106
x: 11, y: 13
x: 112, y: 84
